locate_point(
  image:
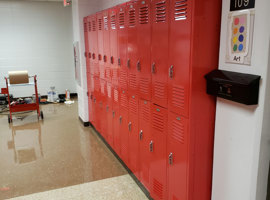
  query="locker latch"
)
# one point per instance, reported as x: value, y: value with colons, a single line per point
x: 141, y: 135
x: 95, y: 100
x: 139, y: 65
x: 93, y: 56
x: 99, y: 57
x: 89, y: 55
x: 107, y: 108
x: 105, y: 58
x: 113, y: 114
x: 128, y: 63
x: 111, y: 59
x: 151, y: 146
x: 120, y: 119
x: 171, y: 71
x: 119, y: 62
x: 153, y: 68
x: 129, y: 126
x: 171, y: 158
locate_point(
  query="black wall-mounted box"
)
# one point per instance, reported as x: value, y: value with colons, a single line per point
x: 238, y: 87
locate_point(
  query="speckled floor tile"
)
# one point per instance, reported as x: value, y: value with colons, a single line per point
x: 117, y: 188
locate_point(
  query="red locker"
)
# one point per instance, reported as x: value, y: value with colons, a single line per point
x: 109, y: 110
x: 94, y: 41
x: 86, y: 52
x: 106, y: 43
x: 133, y: 138
x: 100, y: 30
x: 116, y: 121
x: 122, y: 46
x: 157, y: 147
x: 144, y: 141
x: 160, y: 48
x: 124, y: 107
x: 144, y: 48
x: 177, y: 154
x: 179, y: 56
x: 132, y: 47
x: 114, y: 46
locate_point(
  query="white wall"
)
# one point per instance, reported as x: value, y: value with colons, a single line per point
x: 37, y: 36
x: 242, y: 135
x: 81, y: 9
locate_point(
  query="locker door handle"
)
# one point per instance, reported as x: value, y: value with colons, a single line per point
x: 95, y: 100
x: 105, y: 58
x: 93, y: 56
x: 129, y: 126
x: 107, y: 108
x: 128, y: 63
x: 151, y: 146
x: 119, y: 61
x: 171, y: 71
x: 153, y: 68
x: 85, y: 54
x: 89, y: 55
x: 111, y: 59
x: 99, y: 57
x: 113, y: 114
x: 141, y: 135
x: 171, y: 158
x: 120, y: 119
x: 139, y: 65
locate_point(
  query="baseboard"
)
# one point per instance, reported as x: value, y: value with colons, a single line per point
x: 85, y: 124
x: 145, y: 191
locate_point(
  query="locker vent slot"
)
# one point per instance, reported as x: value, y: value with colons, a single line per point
x: 100, y: 24
x: 113, y: 22
x: 94, y: 25
x: 178, y: 97
x: 109, y: 90
x: 161, y: 11
x: 158, y: 121
x: 144, y: 86
x: 123, y: 79
x: 85, y: 27
x: 124, y: 101
x: 144, y: 15
x: 180, y: 10
x: 145, y: 114
x: 158, y: 188
x: 115, y: 74
x: 133, y: 106
x: 159, y: 90
x: 89, y: 27
x: 115, y: 96
x: 121, y: 20
x: 132, y: 18
x: 132, y: 81
x: 102, y: 87
x: 97, y: 84
x: 106, y: 27
x: 178, y: 131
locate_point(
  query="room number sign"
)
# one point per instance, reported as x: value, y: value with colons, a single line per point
x: 242, y: 4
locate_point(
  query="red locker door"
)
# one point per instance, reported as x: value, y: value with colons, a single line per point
x: 90, y: 45
x: 100, y: 31
x: 122, y: 47
x: 103, y: 96
x: 109, y: 110
x: 133, y: 138
x: 157, y: 147
x: 116, y: 121
x: 144, y: 48
x: 107, y: 51
x: 85, y: 27
x: 114, y: 45
x: 160, y: 48
x: 94, y: 41
x: 177, y: 154
x: 179, y: 56
x: 124, y: 107
x: 145, y: 139
x: 132, y: 47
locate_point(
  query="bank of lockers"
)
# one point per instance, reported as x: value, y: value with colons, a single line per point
x: 145, y: 62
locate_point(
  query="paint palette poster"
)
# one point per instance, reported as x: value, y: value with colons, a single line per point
x: 239, y: 42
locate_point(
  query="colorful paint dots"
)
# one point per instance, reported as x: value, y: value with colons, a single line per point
x: 242, y: 29
x: 236, y: 21
x: 241, y: 38
x: 241, y: 47
x: 235, y: 30
x: 234, y: 40
x: 235, y: 47
x: 242, y: 20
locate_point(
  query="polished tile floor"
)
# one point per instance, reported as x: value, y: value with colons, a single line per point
x: 38, y: 156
